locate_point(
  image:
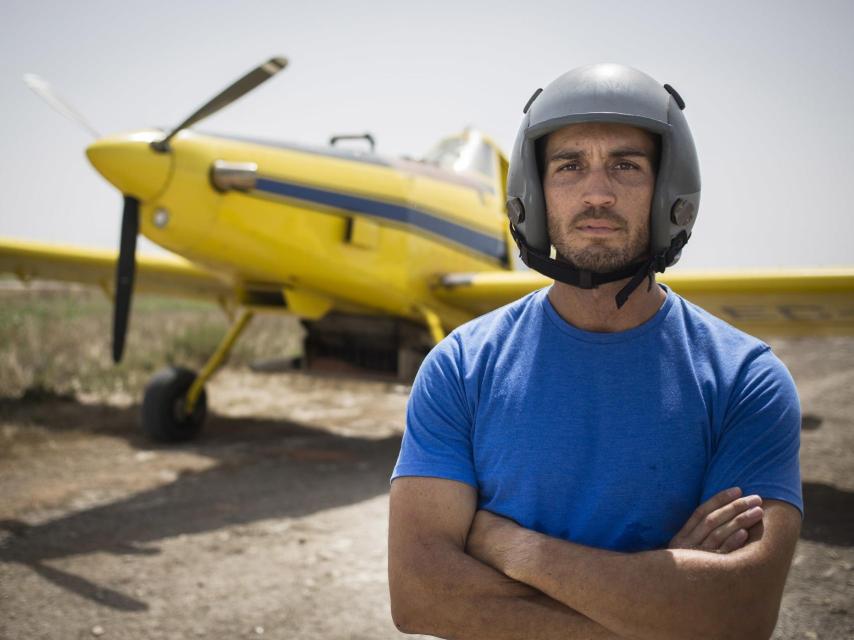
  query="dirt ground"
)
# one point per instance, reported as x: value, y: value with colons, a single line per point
x: 274, y: 523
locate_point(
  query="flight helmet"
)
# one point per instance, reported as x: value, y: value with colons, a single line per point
x: 606, y: 93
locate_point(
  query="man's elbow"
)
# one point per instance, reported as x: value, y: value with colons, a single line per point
x: 756, y: 625
x: 403, y: 613
x: 424, y: 594
x: 755, y: 629
x: 410, y: 596
x: 751, y: 627
x: 405, y: 617
x: 753, y: 612
x: 752, y: 619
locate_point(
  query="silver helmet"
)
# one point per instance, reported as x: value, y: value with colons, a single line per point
x: 606, y: 93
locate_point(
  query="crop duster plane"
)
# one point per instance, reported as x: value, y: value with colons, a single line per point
x: 378, y: 257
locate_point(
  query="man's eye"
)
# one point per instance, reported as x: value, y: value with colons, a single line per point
x: 569, y: 166
x: 625, y: 165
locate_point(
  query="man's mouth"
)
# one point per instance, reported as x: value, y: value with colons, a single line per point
x: 597, y: 228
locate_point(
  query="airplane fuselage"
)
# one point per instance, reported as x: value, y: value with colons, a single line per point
x: 330, y: 229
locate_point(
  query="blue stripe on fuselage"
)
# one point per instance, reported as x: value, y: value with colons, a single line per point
x: 480, y: 242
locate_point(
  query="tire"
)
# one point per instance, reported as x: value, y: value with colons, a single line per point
x: 163, y: 415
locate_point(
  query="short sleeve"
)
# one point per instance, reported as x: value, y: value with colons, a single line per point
x: 759, y: 442
x: 437, y: 440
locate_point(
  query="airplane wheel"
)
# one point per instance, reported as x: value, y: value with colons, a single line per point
x: 163, y: 416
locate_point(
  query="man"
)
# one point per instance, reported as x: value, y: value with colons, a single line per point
x: 589, y: 461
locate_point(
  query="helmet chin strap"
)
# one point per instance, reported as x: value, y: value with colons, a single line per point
x: 584, y: 279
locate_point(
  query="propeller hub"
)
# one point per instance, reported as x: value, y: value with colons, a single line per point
x: 128, y: 162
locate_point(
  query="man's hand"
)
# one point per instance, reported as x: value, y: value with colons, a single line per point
x: 721, y: 523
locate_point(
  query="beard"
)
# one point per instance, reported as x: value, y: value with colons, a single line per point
x: 595, y: 254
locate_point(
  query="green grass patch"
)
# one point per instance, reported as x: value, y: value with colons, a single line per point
x: 59, y: 341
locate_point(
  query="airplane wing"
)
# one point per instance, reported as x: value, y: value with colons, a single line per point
x: 166, y: 275
x: 763, y: 303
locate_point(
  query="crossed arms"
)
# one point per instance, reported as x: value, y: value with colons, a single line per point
x: 457, y: 572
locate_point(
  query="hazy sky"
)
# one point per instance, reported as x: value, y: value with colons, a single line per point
x: 769, y: 88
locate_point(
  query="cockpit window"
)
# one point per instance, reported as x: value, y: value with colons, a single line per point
x: 466, y: 154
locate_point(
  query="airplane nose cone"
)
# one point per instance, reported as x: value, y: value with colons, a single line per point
x: 129, y: 163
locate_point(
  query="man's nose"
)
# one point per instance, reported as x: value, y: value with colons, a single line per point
x: 599, y: 191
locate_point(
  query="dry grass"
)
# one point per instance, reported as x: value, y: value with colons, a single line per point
x: 56, y: 341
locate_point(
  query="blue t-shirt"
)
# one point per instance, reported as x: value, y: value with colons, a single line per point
x: 609, y: 440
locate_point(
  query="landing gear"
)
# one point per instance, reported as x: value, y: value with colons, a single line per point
x: 164, y: 412
x: 175, y: 404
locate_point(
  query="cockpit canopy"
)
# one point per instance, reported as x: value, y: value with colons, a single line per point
x: 468, y: 153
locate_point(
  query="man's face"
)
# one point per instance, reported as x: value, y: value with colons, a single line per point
x: 598, y: 180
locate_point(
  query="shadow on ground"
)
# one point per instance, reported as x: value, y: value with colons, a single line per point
x: 829, y: 515
x: 267, y: 469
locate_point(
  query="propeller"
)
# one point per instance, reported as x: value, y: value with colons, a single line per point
x: 41, y: 88
x: 237, y: 89
x: 126, y: 264
x: 125, y: 271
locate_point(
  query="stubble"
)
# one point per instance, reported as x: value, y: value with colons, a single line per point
x: 599, y: 255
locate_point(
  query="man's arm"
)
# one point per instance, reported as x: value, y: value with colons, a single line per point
x: 670, y: 593
x: 437, y: 589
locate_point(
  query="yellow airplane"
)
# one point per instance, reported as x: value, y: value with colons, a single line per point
x: 378, y: 257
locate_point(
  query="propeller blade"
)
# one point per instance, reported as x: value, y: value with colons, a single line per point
x: 46, y: 93
x: 238, y: 89
x: 125, y: 270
